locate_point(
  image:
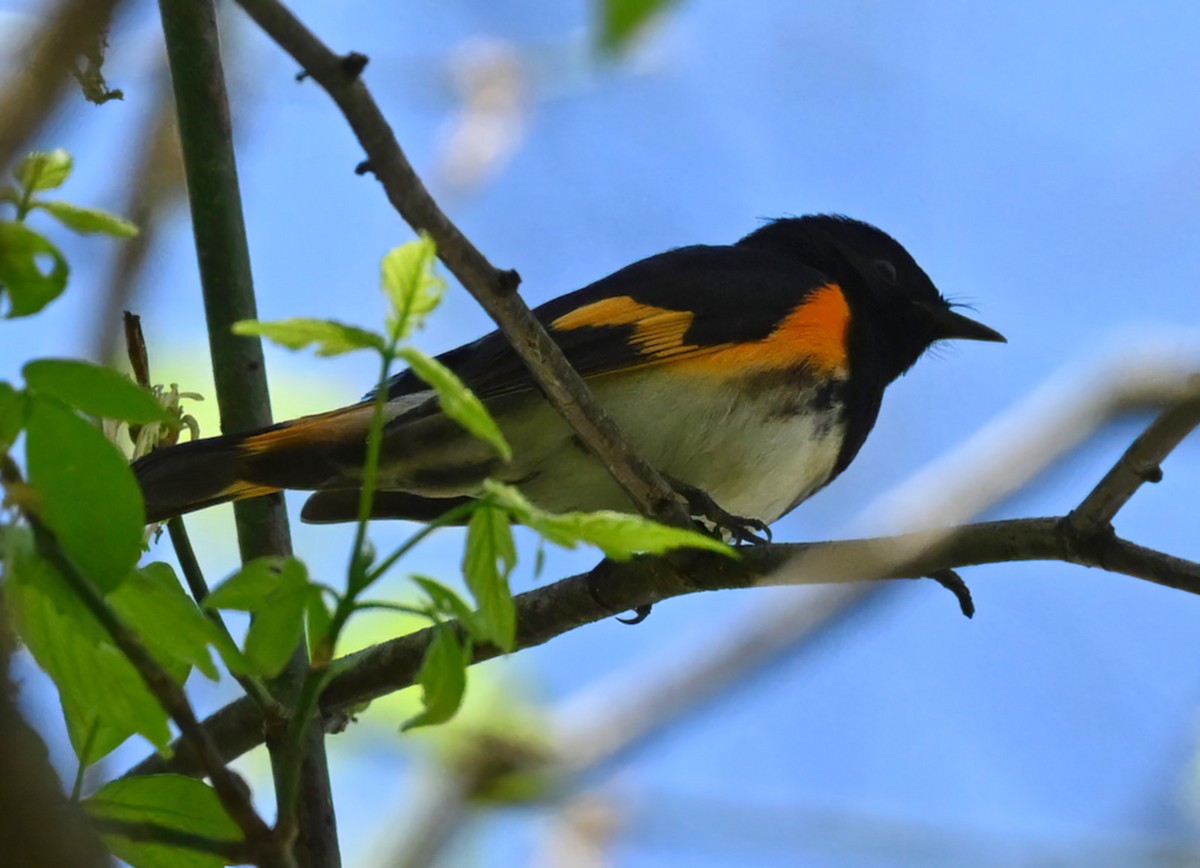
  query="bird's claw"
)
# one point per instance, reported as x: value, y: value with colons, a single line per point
x: 640, y: 614
x: 701, y: 505
x: 953, y: 582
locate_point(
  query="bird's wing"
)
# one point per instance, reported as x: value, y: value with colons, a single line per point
x: 712, y: 308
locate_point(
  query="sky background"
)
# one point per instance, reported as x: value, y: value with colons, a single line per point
x: 1040, y: 160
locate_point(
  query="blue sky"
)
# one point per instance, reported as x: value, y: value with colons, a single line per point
x: 1039, y: 160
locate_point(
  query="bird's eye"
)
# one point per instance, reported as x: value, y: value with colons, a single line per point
x: 887, y: 270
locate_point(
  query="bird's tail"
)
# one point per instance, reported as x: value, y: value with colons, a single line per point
x: 305, y: 453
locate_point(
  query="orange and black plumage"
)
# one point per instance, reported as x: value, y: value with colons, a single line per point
x: 752, y: 372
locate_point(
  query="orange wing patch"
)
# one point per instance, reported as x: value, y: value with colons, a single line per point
x: 242, y: 490
x: 814, y: 333
x: 332, y: 427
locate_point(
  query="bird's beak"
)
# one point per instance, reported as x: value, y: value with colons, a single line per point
x: 954, y: 326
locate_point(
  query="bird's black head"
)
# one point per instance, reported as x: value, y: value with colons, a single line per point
x: 895, y: 307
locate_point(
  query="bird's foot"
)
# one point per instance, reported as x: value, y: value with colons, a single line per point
x: 595, y: 579
x: 726, y: 524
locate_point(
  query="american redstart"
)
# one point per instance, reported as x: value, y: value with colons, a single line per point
x: 750, y: 373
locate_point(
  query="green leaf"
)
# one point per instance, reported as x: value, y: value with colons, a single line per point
x: 94, y: 389
x: 44, y: 170
x: 447, y: 603
x: 332, y: 338
x: 619, y: 535
x: 411, y: 285
x: 173, y: 628
x: 88, y: 494
x: 12, y: 415
x: 621, y: 20
x: 277, y: 592
x: 275, y: 632
x: 23, y: 275
x: 88, y: 220
x: 172, y: 801
x: 97, y: 685
x: 443, y: 678
x: 487, y: 563
x: 247, y: 589
x: 457, y: 401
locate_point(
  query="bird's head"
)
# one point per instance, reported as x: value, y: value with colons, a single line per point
x: 901, y: 309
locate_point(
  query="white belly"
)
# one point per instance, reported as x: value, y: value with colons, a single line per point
x: 735, y: 444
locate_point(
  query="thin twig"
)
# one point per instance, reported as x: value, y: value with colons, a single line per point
x: 45, y: 70
x: 1139, y: 464
x: 153, y: 182
x: 1023, y: 441
x: 495, y: 290
x: 189, y: 564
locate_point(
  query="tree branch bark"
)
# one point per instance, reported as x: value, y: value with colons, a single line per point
x: 1139, y: 464
x: 570, y: 603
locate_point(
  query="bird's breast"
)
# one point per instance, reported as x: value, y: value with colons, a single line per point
x: 756, y: 445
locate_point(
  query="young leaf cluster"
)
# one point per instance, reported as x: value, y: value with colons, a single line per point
x: 33, y: 272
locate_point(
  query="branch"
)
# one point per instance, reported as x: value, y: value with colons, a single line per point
x: 239, y: 372
x: 153, y: 184
x: 46, y: 67
x: 1024, y: 441
x: 495, y: 290
x: 570, y: 603
x: 1138, y: 465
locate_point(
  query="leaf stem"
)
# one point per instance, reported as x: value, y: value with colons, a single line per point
x: 88, y: 744
x: 189, y: 565
x: 448, y: 518
x: 359, y: 577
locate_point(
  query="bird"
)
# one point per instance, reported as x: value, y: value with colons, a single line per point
x: 748, y: 374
